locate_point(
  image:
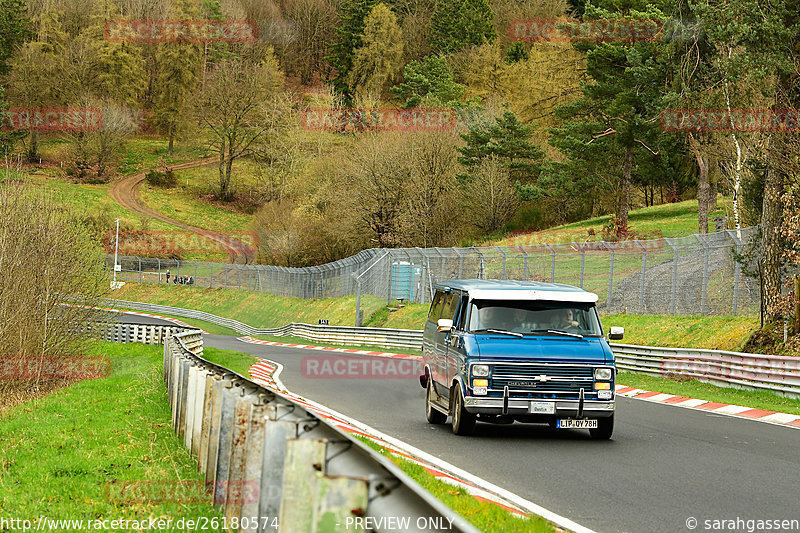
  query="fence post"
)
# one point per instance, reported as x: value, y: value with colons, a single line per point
x: 195, y: 272
x: 140, y: 268
x: 583, y: 262
x: 737, y: 268
x: 553, y: 265
x: 211, y: 277
x: 503, y: 275
x: 705, y: 276
x: 674, y: 287
x: 460, y: 263
x: 524, y: 263
x: 159, y: 269
x: 610, y: 275
x: 358, y: 300
x: 644, y: 270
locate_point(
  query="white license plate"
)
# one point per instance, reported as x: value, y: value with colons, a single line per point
x: 571, y: 423
x: 542, y: 408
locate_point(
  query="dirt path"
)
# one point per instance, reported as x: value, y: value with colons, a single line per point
x: 124, y: 192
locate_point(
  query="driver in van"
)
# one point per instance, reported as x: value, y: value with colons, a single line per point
x: 565, y: 320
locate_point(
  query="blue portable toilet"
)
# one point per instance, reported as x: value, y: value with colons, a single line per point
x: 405, y: 280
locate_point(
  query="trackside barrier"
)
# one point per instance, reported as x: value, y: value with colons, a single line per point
x: 269, y: 458
x: 129, y: 333
x: 394, y: 338
x: 727, y: 369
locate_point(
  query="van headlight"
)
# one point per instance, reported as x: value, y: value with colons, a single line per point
x: 480, y: 370
x: 603, y: 374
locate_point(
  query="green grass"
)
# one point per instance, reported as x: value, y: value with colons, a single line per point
x: 232, y: 360
x: 254, y: 308
x: 69, y: 454
x: 485, y: 516
x: 143, y: 151
x: 181, y: 205
x: 706, y: 332
x: 705, y: 391
x: 666, y: 220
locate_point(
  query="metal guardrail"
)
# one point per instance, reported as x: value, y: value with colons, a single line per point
x: 779, y: 374
x: 269, y: 458
x: 388, y: 337
x: 731, y: 369
x: 132, y: 333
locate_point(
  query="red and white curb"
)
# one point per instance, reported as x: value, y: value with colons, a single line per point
x: 267, y: 373
x: 738, y: 411
x: 351, y: 351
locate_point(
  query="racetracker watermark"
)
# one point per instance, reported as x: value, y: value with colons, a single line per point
x: 369, y: 367
x: 590, y: 30
x: 54, y: 367
x: 148, y: 31
x: 169, y: 243
x: 734, y: 120
x: 51, y: 119
x: 387, y: 119
x: 182, y: 492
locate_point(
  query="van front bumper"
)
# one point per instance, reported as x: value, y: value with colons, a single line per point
x: 561, y: 408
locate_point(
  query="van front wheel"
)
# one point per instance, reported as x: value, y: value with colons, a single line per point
x: 604, y: 429
x: 463, y: 421
x: 433, y: 415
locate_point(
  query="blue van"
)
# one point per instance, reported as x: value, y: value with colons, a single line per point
x: 503, y: 351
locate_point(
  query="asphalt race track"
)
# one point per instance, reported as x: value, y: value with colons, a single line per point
x: 664, y: 465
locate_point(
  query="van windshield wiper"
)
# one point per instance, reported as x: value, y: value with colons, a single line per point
x: 558, y: 332
x: 500, y: 331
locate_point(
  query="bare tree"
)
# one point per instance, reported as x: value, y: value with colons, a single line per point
x: 45, y: 256
x: 489, y: 199
x: 232, y: 108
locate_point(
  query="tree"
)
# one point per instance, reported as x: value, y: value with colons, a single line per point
x: 177, y: 78
x: 619, y: 109
x: 428, y: 82
x: 456, y: 24
x: 762, y: 47
x: 489, y: 199
x: 14, y: 29
x: 231, y: 107
x: 378, y: 60
x: 45, y: 255
x: 352, y: 14
x: 507, y: 142
x: 33, y: 82
x: 119, y: 72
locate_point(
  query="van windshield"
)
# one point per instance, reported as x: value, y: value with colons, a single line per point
x: 534, y: 317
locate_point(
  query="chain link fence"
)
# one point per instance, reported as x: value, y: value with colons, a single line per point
x: 691, y: 275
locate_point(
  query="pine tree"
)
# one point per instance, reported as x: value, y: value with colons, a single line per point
x: 379, y: 60
x: 15, y: 28
x: 616, y: 120
x: 428, y: 81
x: 352, y: 14
x: 507, y: 141
x: 459, y: 23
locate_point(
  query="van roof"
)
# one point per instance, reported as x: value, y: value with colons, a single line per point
x: 496, y: 289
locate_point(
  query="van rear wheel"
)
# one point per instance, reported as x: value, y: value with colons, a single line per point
x: 433, y: 415
x: 463, y: 421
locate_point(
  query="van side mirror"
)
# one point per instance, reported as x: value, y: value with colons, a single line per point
x: 444, y: 324
x: 616, y: 333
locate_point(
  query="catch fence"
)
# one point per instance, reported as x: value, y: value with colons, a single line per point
x: 693, y: 275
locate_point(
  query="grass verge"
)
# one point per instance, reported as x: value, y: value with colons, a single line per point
x: 705, y: 391
x: 485, y: 516
x: 71, y: 454
x: 232, y: 360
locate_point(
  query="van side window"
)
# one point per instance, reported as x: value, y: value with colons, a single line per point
x: 451, y: 306
x: 436, y: 307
